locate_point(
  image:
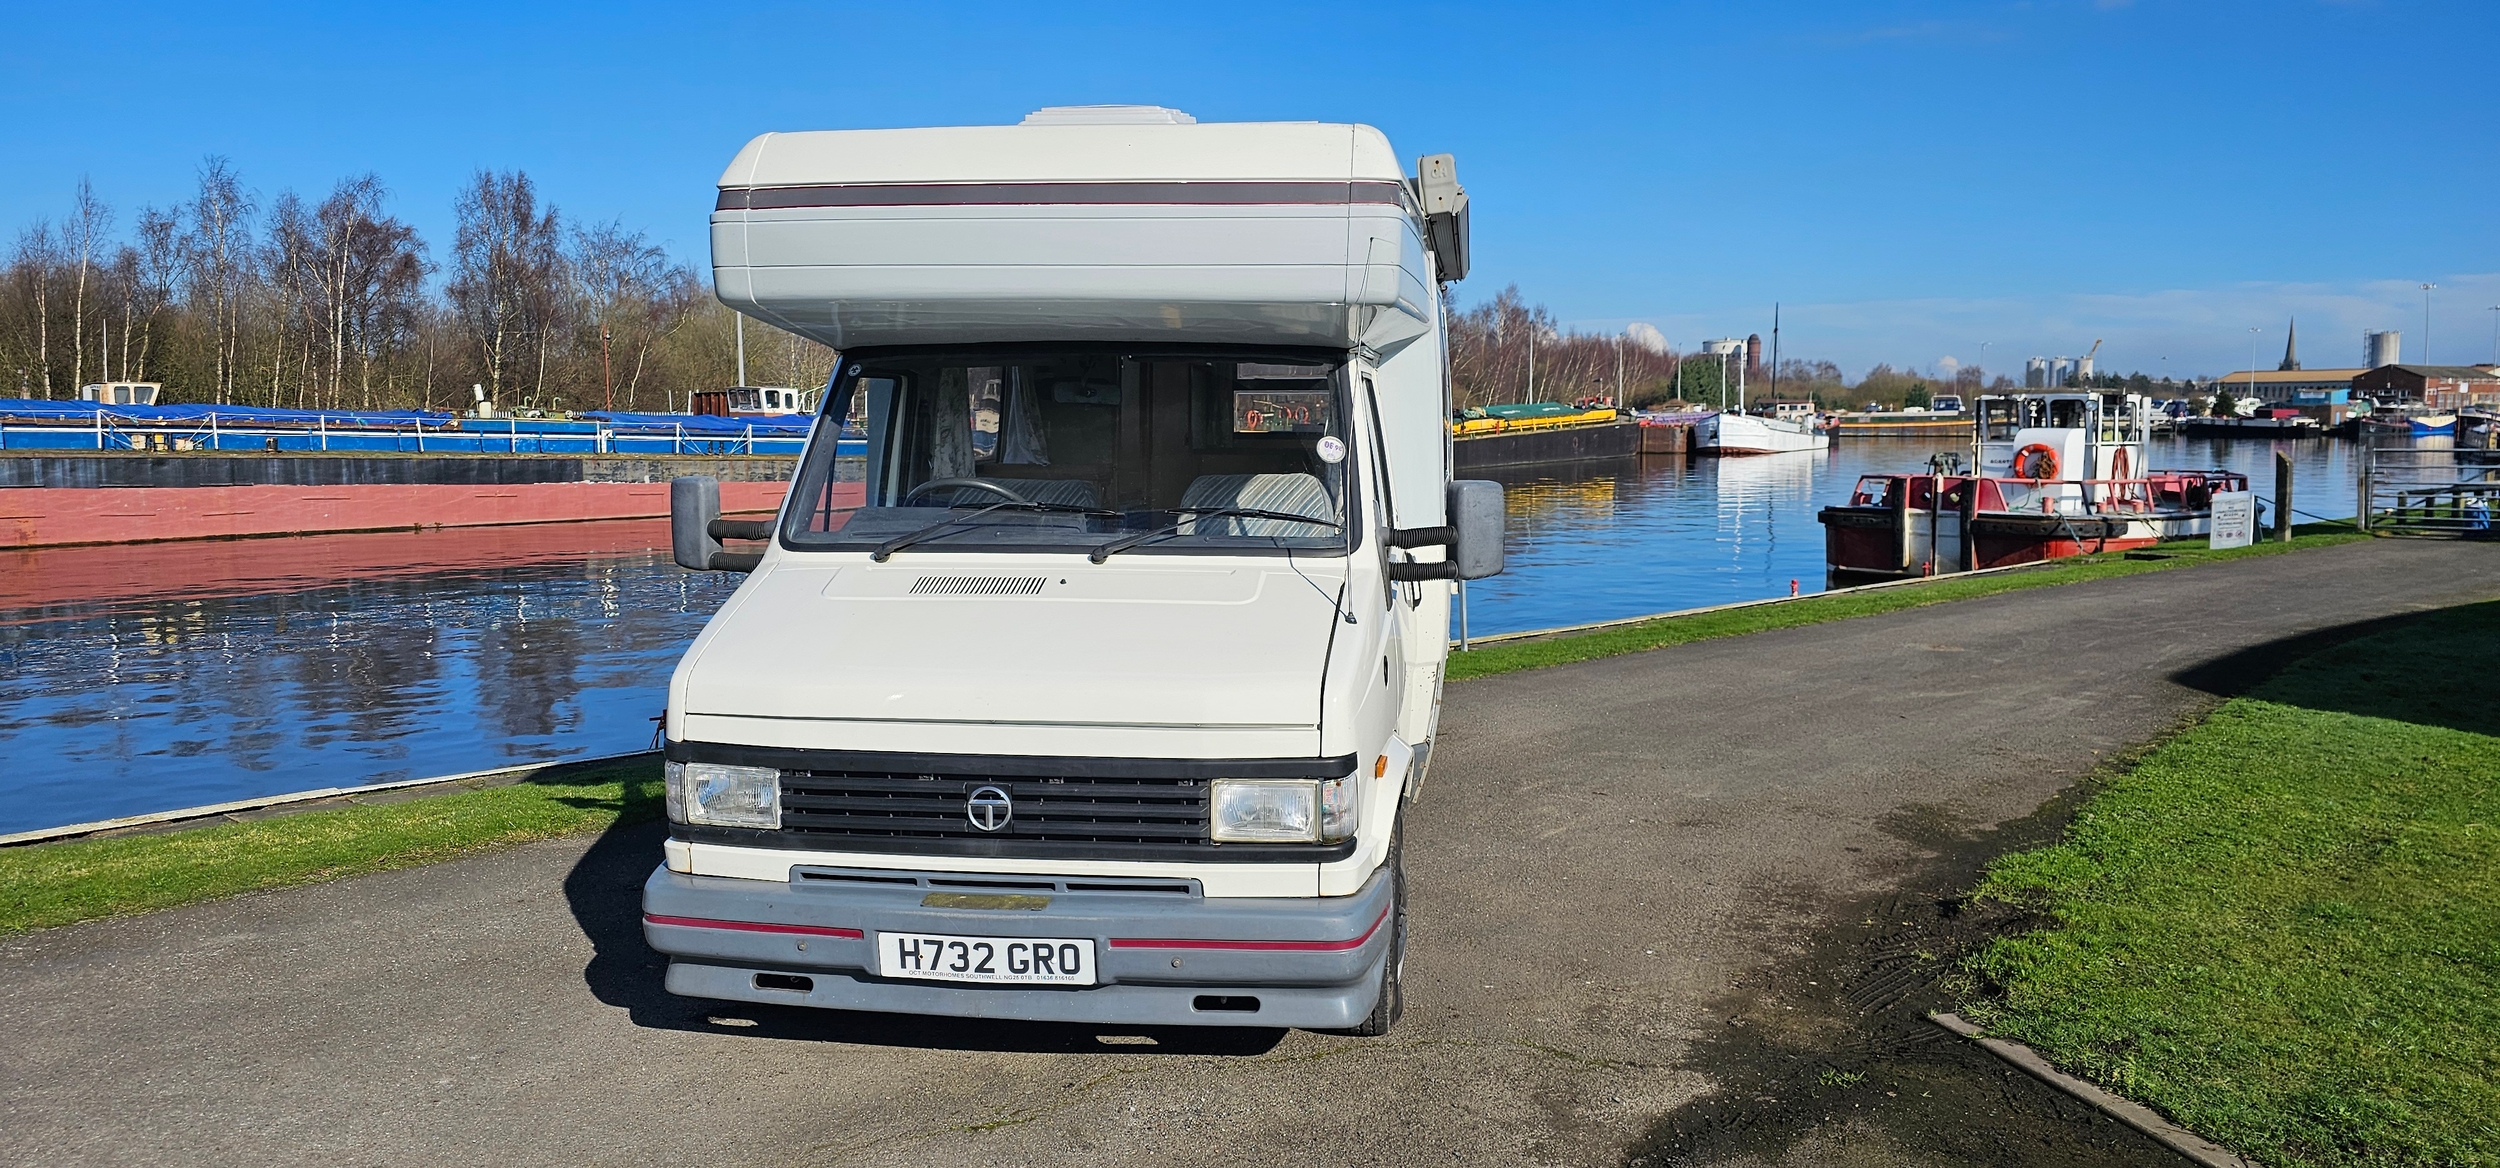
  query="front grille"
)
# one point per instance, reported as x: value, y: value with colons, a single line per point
x: 1077, y: 810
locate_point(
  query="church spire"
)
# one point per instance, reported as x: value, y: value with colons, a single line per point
x: 2291, y: 347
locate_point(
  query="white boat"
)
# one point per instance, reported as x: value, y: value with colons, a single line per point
x: 1725, y: 433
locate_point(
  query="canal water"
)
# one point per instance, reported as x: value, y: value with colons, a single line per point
x: 1628, y: 539
x: 145, y: 678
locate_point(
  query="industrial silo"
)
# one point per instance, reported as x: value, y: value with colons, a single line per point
x: 2036, y: 373
x: 2382, y: 348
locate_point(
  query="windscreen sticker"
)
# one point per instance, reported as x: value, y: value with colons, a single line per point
x: 1282, y: 411
x: 1332, y: 449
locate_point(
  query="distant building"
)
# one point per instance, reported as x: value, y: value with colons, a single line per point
x: 2438, y: 387
x: 2036, y: 373
x: 2382, y: 348
x: 1753, y: 356
x: 1728, y: 354
x: 2291, y: 348
x: 2280, y: 386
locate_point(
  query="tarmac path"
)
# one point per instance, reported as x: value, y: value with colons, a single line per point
x: 1682, y: 906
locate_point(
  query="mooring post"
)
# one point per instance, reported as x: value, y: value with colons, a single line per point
x: 2361, y: 513
x: 2283, y: 496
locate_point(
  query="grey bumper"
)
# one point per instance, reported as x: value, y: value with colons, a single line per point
x: 1163, y: 959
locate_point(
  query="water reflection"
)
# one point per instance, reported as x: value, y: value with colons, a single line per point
x: 1597, y: 541
x: 126, y: 703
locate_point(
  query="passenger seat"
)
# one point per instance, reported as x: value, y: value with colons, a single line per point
x: 1291, y: 494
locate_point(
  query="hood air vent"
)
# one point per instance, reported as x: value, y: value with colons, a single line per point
x: 977, y: 586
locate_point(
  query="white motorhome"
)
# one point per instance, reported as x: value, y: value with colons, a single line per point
x: 1093, y: 692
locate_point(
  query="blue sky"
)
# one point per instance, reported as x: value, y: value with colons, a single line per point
x: 1911, y: 180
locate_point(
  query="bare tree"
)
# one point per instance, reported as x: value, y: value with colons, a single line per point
x: 507, y: 269
x: 290, y: 259
x: 36, y: 257
x: 363, y: 271
x: 216, y: 255
x: 628, y: 292
x: 81, y: 235
x: 159, y: 265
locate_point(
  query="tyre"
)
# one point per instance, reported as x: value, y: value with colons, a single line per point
x: 1392, y: 971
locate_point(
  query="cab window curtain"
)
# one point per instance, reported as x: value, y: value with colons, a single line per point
x: 1020, y: 440
x: 950, y: 437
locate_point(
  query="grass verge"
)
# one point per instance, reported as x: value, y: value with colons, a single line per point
x: 2282, y: 927
x: 43, y: 885
x: 1678, y: 630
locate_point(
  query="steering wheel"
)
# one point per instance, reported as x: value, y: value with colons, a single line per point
x: 976, y: 484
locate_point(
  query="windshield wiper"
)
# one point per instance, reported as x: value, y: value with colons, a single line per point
x: 898, y: 543
x: 1124, y: 543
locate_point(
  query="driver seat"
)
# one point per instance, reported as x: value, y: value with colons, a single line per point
x: 1067, y: 492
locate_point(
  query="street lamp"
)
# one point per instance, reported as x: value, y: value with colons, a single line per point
x: 2252, y: 364
x: 2426, y: 322
x: 2495, y: 334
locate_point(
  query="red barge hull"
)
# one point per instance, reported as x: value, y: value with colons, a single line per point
x: 52, y: 501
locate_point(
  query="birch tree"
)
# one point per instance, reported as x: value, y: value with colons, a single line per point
x: 507, y: 267
x: 88, y: 222
x: 215, y: 254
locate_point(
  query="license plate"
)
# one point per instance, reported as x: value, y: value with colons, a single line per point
x: 1016, y: 960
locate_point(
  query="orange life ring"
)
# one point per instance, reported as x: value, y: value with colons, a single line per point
x: 2035, y: 457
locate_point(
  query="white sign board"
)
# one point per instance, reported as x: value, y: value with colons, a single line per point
x: 2235, y: 519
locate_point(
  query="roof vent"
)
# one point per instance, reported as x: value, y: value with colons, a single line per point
x: 1107, y: 115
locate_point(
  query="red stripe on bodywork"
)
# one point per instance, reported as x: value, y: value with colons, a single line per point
x: 750, y: 926
x: 1265, y: 946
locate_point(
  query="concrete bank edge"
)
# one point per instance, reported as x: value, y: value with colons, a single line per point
x: 2126, y: 1111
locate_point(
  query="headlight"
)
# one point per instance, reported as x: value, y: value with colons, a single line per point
x: 724, y: 796
x: 1282, y: 811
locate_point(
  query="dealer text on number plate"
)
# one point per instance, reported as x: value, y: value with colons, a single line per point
x: 1024, y: 960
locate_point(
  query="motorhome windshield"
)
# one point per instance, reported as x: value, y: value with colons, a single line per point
x: 1081, y: 449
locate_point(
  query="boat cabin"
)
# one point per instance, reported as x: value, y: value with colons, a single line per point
x: 121, y: 393
x: 751, y: 400
x: 2074, y: 436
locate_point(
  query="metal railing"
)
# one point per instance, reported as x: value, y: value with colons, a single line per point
x: 2446, y: 493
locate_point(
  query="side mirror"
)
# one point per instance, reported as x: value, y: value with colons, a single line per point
x: 1473, y: 535
x: 1475, y: 507
x: 1445, y: 213
x: 693, y: 503
x: 695, y: 528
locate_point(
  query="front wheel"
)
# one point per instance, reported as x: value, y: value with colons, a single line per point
x: 1392, y: 970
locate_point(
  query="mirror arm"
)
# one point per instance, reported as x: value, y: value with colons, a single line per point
x: 1415, y: 537
x: 736, y: 561
x: 740, y: 528
x: 1408, y: 570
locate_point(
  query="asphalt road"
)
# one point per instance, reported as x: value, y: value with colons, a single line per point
x: 1681, y: 906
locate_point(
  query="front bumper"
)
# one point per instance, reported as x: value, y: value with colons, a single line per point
x: 1163, y: 958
